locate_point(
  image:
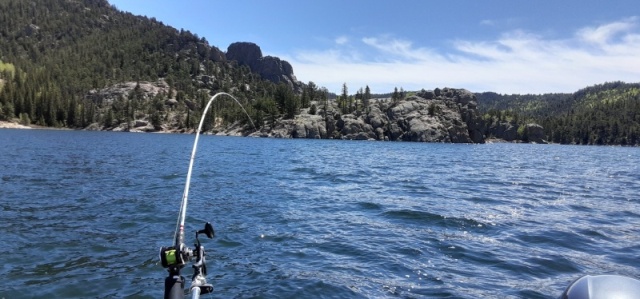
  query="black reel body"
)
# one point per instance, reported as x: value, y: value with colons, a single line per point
x: 171, y: 257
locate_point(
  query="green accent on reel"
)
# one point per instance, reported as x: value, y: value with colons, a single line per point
x: 170, y: 257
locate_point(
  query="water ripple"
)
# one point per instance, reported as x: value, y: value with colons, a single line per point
x: 84, y: 214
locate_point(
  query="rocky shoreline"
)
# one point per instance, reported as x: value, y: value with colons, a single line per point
x: 445, y: 115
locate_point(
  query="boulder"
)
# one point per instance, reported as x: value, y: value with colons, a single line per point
x: 140, y: 123
x: 310, y: 126
x: 395, y: 132
x: 425, y: 129
x: 376, y: 118
x: 505, y: 130
x: 427, y: 94
x: 354, y: 128
x: 464, y: 97
x: 534, y: 133
x: 303, y: 126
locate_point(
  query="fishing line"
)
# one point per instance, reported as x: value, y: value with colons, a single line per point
x: 179, y: 232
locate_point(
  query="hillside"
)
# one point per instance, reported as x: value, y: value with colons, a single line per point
x: 605, y: 114
x: 56, y: 55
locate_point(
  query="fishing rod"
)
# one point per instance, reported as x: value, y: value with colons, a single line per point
x: 175, y: 257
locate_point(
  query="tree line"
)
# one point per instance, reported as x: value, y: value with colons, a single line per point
x: 603, y: 114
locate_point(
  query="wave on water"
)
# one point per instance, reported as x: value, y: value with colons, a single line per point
x: 84, y: 214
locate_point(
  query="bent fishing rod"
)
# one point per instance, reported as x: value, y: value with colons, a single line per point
x: 175, y: 257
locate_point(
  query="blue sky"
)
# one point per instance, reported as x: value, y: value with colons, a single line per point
x: 506, y: 46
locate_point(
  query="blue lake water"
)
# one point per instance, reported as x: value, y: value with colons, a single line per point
x: 84, y: 214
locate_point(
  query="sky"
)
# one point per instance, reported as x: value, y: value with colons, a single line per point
x: 504, y: 46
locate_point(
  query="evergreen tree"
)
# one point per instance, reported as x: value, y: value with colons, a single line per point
x: 396, y: 95
x: 344, y: 97
x: 366, y: 96
x: 286, y: 100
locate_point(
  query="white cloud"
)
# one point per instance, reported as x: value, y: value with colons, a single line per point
x: 516, y: 62
x: 603, y: 34
x: 397, y: 48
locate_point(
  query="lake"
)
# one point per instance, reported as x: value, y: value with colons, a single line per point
x: 84, y: 214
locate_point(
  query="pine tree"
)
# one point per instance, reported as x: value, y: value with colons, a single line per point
x: 367, y: 96
x: 396, y: 95
x: 344, y: 98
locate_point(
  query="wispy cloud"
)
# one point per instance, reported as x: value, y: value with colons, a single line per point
x: 603, y: 34
x: 397, y: 49
x: 515, y: 62
x: 487, y: 22
x: 341, y: 40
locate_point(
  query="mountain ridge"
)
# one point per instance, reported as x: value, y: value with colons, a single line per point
x: 87, y: 65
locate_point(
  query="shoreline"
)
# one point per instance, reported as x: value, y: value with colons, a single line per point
x: 12, y: 125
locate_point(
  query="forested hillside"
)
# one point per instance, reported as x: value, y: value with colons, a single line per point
x: 605, y: 114
x: 54, y: 52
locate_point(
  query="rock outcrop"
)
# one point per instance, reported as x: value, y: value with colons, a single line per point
x: 244, y: 53
x: 447, y: 115
x: 443, y: 115
x: 270, y: 68
x: 512, y: 132
x: 303, y: 126
x: 534, y: 133
x: 146, y: 90
x: 503, y: 130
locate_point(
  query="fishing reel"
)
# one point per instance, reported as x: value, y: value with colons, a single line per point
x: 176, y: 258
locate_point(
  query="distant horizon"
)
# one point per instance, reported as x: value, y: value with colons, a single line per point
x: 491, y: 46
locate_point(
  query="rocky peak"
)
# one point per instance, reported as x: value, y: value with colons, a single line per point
x: 270, y: 68
x: 245, y: 53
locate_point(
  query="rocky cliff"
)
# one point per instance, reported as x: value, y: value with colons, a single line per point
x: 442, y: 115
x: 271, y: 68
